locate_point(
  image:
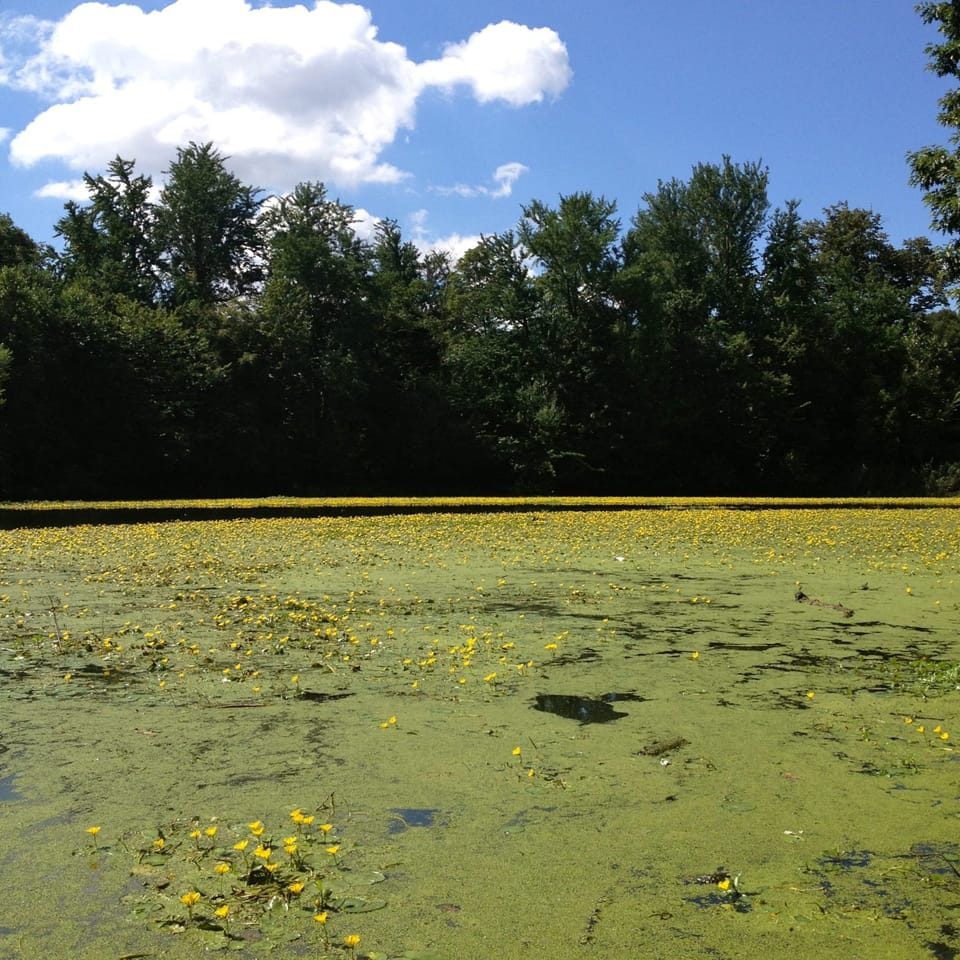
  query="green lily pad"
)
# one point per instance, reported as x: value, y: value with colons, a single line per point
x: 359, y: 905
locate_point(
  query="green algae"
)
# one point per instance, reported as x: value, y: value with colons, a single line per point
x: 836, y: 816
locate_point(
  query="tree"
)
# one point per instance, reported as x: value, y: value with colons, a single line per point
x: 110, y: 242
x: 207, y: 229
x: 692, y: 282
x: 298, y: 356
x: 16, y: 245
x: 491, y: 299
x: 570, y: 344
x: 936, y: 169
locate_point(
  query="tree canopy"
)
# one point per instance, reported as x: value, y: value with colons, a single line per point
x: 202, y: 339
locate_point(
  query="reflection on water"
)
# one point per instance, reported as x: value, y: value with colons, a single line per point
x: 8, y: 790
x: 584, y: 709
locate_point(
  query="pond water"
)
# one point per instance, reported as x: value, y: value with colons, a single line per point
x: 611, y: 734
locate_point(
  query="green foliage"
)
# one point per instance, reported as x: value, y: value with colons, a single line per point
x: 206, y: 229
x: 936, y: 169
x: 111, y: 242
x: 714, y: 346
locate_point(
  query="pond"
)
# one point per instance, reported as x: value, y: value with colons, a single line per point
x: 615, y: 733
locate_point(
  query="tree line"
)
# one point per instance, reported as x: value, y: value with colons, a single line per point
x: 211, y: 341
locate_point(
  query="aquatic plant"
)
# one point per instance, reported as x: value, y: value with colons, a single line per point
x: 259, y: 882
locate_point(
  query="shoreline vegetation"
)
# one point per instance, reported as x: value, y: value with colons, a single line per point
x: 71, y: 512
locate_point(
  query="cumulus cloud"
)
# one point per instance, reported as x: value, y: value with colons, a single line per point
x: 504, y: 61
x: 505, y: 176
x: 64, y: 190
x: 288, y: 92
x: 364, y: 223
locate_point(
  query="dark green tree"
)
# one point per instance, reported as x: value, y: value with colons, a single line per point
x: 692, y: 284
x: 207, y: 230
x: 297, y: 361
x: 110, y: 242
x: 16, y: 245
x: 491, y: 300
x: 570, y: 344
x: 936, y: 169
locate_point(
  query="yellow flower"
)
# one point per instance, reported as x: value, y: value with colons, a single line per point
x: 921, y: 728
x: 241, y: 845
x: 695, y: 655
x: 724, y: 884
x: 296, y: 815
x: 262, y: 852
x: 320, y: 917
x: 392, y: 720
x: 256, y: 828
x: 351, y: 940
x: 295, y: 678
x: 194, y: 834
x: 944, y: 735
x: 489, y: 677
x: 333, y: 850
x: 159, y: 843
x: 270, y: 867
x: 190, y: 899
x: 295, y: 887
x: 810, y: 694
x: 93, y: 831
x: 222, y: 912
x: 290, y: 848
x: 221, y: 868
x: 308, y: 820
x: 211, y: 831
x: 549, y: 646
x: 516, y: 751
x: 325, y: 828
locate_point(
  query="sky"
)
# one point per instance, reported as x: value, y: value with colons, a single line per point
x: 449, y: 117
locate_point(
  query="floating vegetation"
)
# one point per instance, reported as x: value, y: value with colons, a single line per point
x: 164, y: 679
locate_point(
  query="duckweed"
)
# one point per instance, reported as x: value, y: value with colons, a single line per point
x: 172, y: 690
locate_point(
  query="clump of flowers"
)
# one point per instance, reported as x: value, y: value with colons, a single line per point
x: 220, y: 878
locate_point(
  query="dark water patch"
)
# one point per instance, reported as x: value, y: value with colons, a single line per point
x: 412, y: 817
x: 886, y: 656
x: 848, y: 860
x: 941, y: 950
x: 317, y: 697
x: 745, y: 647
x: 104, y: 675
x: 584, y: 709
x: 894, y: 626
x: 941, y: 859
x: 587, y: 655
x: 8, y: 789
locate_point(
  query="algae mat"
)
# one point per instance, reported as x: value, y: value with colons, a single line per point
x: 668, y: 734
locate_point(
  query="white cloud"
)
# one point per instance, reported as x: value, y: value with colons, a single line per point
x: 288, y: 93
x: 364, y: 223
x: 505, y: 176
x: 64, y: 190
x: 504, y: 61
x: 455, y: 244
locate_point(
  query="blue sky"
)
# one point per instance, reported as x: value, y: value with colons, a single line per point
x: 448, y: 117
